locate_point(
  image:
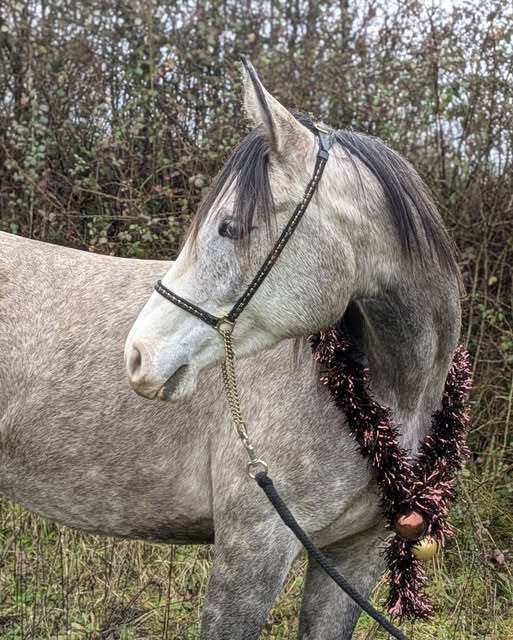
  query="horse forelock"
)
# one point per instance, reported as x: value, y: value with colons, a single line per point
x: 246, y: 173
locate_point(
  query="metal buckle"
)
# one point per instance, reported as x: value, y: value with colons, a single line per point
x: 224, y: 326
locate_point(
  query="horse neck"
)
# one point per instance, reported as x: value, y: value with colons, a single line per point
x: 406, y: 335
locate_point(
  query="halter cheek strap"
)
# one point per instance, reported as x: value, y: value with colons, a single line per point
x: 227, y: 322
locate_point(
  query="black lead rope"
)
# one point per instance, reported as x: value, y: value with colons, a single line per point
x: 283, y: 511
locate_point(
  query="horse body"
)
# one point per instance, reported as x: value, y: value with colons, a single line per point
x: 88, y: 458
x: 77, y: 446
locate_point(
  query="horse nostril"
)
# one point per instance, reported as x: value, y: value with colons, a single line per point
x: 142, y: 379
x: 134, y: 361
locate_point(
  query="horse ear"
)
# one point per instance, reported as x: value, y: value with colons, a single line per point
x: 280, y: 126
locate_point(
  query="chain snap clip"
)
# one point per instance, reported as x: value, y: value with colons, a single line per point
x: 225, y: 328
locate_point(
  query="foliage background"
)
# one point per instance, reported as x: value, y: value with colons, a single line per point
x: 113, y: 118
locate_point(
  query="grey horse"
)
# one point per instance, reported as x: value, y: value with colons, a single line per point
x: 372, y: 253
x: 79, y: 447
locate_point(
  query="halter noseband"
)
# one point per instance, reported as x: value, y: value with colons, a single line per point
x: 227, y: 322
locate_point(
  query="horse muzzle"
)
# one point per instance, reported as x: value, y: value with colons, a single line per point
x: 146, y: 382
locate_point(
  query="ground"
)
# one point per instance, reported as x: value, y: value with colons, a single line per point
x: 56, y: 583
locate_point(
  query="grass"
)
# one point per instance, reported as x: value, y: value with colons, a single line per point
x: 57, y: 583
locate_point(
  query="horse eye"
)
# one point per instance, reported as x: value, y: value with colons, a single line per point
x: 230, y: 228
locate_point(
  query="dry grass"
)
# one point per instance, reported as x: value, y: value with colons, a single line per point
x: 57, y: 583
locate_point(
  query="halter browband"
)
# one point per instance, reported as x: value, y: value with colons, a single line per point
x: 227, y: 321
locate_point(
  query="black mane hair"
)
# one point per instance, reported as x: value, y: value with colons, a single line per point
x: 247, y: 170
x: 420, y: 229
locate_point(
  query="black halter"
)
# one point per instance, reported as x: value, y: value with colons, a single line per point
x: 228, y: 320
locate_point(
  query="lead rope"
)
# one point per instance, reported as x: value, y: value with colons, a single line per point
x: 257, y: 469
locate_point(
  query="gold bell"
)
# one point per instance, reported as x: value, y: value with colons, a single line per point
x: 425, y: 549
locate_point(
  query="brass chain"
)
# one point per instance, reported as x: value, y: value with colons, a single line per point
x: 232, y: 393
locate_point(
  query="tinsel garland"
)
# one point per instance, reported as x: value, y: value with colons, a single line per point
x: 424, y: 483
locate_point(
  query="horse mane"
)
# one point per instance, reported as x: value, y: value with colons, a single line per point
x: 422, y: 233
x: 419, y: 226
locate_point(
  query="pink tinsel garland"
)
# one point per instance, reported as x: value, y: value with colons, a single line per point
x: 425, y: 483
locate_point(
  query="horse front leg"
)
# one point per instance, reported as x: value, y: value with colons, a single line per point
x: 326, y: 612
x: 249, y: 568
